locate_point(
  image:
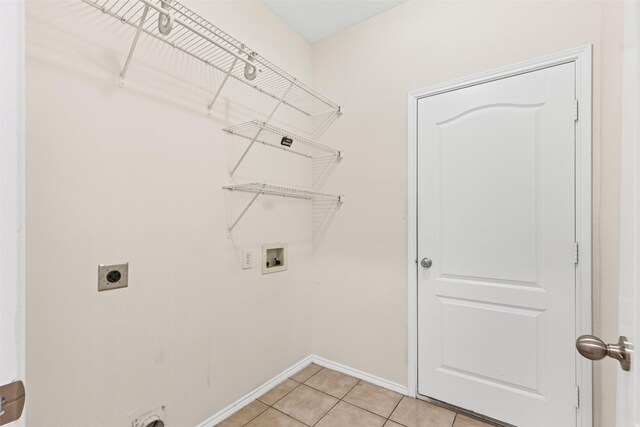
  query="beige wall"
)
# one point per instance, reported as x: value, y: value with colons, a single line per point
x: 135, y: 174
x: 360, y: 313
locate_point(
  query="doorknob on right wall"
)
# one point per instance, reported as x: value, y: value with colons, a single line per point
x: 593, y: 348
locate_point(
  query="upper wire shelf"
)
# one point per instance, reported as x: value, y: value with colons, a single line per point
x: 180, y: 27
x: 272, y: 136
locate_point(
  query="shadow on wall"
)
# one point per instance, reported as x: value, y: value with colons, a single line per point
x: 162, y: 74
x: 250, y: 222
x: 181, y: 81
x: 323, y: 213
x: 321, y: 168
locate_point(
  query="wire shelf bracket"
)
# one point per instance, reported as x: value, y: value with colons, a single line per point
x: 258, y: 132
x: 143, y: 18
x: 272, y: 136
x: 276, y: 190
x: 181, y: 28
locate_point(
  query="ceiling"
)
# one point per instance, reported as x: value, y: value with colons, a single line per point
x: 317, y: 19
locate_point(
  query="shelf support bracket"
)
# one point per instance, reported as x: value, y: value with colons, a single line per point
x: 244, y: 211
x: 224, y: 81
x: 280, y: 101
x: 123, y: 74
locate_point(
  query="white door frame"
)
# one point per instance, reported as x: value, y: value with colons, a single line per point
x: 12, y: 311
x: 628, y: 387
x: 582, y: 58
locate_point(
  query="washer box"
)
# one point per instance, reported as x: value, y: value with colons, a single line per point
x: 274, y: 257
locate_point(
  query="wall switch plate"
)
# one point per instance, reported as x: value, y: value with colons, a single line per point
x: 113, y: 276
x: 274, y: 257
x: 247, y: 259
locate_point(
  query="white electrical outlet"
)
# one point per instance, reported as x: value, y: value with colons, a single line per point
x: 247, y: 259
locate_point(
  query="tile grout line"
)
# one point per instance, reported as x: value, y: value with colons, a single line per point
x: 285, y: 395
x: 256, y: 400
x: 319, y: 370
x: 271, y: 406
x: 325, y: 414
x: 358, y: 382
x: 324, y: 392
x: 339, y: 400
x: 289, y: 416
x: 365, y: 409
x: 327, y: 394
x: 394, y: 410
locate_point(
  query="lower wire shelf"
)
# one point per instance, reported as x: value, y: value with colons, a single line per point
x: 259, y: 188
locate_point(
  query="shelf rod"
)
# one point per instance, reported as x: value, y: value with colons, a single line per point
x: 224, y: 81
x: 253, y: 62
x: 337, y: 111
x: 207, y: 38
x: 244, y: 211
x: 260, y: 130
x: 123, y: 74
x: 192, y: 23
x: 246, y: 61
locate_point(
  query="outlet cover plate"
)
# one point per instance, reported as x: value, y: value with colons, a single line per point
x: 148, y: 418
x: 103, y: 271
x: 247, y: 259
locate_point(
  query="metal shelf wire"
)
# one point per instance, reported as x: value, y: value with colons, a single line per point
x: 199, y: 38
x: 272, y: 136
x: 279, y: 190
x: 259, y: 188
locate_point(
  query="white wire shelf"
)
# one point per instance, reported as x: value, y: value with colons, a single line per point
x: 267, y: 134
x: 259, y: 188
x: 173, y: 23
x: 272, y: 136
x: 278, y: 190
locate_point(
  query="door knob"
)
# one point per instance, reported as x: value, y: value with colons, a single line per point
x: 12, y: 398
x: 593, y: 348
x: 426, y: 262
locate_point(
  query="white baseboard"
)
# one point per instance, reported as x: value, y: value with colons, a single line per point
x: 390, y: 385
x: 253, y: 395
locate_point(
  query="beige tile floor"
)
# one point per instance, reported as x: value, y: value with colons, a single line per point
x: 321, y: 397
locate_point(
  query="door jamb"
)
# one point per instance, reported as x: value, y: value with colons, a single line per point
x: 582, y: 57
x: 12, y: 181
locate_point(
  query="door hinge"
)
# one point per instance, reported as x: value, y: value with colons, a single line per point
x: 577, y: 397
x: 575, y: 110
x: 576, y: 252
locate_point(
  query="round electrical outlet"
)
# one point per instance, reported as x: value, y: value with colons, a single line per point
x: 113, y: 276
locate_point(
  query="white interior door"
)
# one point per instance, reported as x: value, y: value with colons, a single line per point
x: 496, y: 216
